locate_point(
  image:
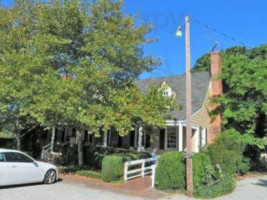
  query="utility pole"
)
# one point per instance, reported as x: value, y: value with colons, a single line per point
x: 189, y: 167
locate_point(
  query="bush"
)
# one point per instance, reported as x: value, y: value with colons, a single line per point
x: 112, y: 168
x: 227, y: 151
x: 203, y: 169
x: 170, y: 172
x: 93, y: 155
x: 89, y: 173
x: 224, y: 186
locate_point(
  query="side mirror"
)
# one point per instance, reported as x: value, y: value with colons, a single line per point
x: 35, y: 163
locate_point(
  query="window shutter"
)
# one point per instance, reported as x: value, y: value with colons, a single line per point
x: 162, y: 139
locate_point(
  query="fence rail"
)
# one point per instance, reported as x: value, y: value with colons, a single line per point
x: 140, y: 169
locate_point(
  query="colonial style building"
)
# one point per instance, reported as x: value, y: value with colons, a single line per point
x: 173, y: 137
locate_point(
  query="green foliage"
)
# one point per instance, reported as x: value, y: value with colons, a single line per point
x: 203, y: 63
x: 203, y: 169
x: 5, y: 135
x: 75, y: 64
x: 223, y: 186
x: 89, y: 173
x: 67, y: 169
x: 170, y: 171
x: 227, y: 151
x: 244, y: 83
x: 93, y: 155
x: 112, y: 168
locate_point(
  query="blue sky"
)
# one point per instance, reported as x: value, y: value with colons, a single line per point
x: 244, y: 20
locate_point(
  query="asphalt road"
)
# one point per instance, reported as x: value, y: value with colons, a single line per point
x: 254, y: 188
x: 59, y: 191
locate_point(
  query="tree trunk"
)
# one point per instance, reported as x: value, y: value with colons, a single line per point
x: 53, y: 139
x: 79, y: 135
x: 18, y: 141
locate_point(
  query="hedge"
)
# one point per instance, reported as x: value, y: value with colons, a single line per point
x: 170, y: 172
x: 112, y: 168
x: 224, y: 186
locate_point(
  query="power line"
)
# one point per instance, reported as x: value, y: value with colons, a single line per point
x: 218, y: 32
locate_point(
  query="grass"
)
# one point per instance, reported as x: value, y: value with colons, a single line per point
x: 89, y: 173
x: 120, y: 181
x: 85, y: 172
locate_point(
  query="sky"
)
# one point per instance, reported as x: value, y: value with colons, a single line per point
x: 243, y: 20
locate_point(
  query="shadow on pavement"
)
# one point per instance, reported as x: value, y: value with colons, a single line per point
x: 27, y: 185
x: 262, y: 182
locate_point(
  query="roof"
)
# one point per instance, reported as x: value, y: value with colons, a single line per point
x: 8, y: 150
x: 200, y: 84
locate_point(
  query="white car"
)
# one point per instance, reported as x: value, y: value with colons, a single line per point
x: 18, y: 168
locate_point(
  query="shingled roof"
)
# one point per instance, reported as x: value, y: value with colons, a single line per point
x: 200, y: 84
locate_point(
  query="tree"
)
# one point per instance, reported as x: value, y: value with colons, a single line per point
x: 203, y: 63
x: 78, y: 67
x: 244, y: 99
x: 16, y: 28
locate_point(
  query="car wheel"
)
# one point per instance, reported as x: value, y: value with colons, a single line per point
x: 50, y: 176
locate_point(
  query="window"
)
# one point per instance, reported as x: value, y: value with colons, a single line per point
x: 2, y: 157
x: 17, y: 157
x: 171, y: 138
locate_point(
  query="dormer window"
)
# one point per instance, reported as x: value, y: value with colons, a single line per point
x: 167, y: 91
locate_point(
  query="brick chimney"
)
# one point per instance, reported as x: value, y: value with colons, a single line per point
x: 215, y: 91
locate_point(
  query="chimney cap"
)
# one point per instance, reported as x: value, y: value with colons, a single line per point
x: 215, y: 52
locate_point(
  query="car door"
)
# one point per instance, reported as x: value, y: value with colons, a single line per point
x: 4, y: 171
x: 22, y: 168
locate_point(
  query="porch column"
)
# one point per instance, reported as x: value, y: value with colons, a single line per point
x: 197, y: 143
x: 180, y: 137
x: 105, y: 138
x: 140, y: 131
x: 203, y: 136
x: 53, y: 139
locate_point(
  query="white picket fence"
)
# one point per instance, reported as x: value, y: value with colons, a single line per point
x: 141, y: 169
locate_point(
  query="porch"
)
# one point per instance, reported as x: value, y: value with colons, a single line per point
x: 142, y: 138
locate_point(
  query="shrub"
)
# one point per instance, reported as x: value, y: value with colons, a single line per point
x: 203, y: 169
x: 112, y: 168
x: 170, y: 172
x: 224, y: 186
x: 227, y: 151
x: 93, y: 155
x: 89, y: 173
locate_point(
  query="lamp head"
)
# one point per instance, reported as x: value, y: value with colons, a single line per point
x: 179, y: 32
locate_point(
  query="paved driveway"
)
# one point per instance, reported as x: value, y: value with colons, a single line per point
x: 59, y: 191
x: 254, y: 188
x: 247, y: 189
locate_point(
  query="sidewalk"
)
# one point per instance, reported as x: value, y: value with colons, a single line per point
x: 140, y: 187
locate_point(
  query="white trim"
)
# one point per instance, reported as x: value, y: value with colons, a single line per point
x: 203, y: 136
x: 197, y: 141
x: 173, y: 122
x: 180, y: 137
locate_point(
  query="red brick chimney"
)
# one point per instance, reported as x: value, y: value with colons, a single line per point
x: 215, y: 91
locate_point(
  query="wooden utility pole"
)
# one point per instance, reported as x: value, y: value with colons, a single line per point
x: 189, y: 171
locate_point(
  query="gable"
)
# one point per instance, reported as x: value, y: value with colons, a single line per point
x: 200, y: 84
